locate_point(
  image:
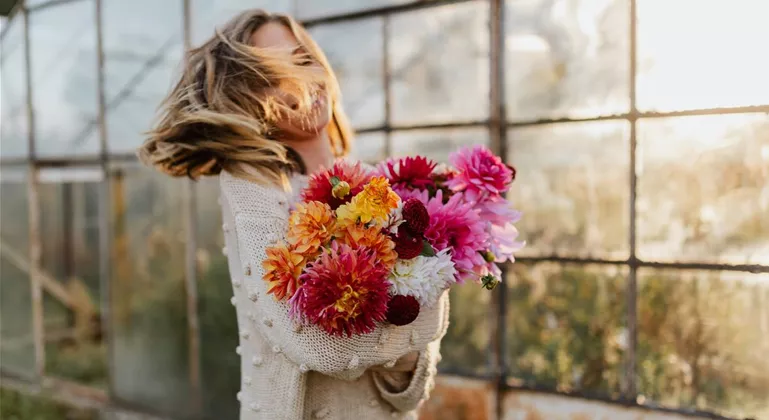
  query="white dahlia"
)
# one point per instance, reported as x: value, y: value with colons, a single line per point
x: 424, y: 278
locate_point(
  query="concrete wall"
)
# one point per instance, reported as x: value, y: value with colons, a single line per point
x: 464, y: 399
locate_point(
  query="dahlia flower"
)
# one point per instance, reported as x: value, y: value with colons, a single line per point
x: 502, y: 242
x: 479, y: 173
x: 394, y: 220
x: 282, y: 269
x: 409, y: 172
x: 405, y: 194
x: 457, y: 226
x: 374, y: 203
x: 497, y: 210
x: 310, y: 226
x: 415, y: 215
x: 402, y: 310
x: 321, y: 187
x: 357, y: 236
x: 407, y: 245
x: 344, y: 291
x: 424, y: 278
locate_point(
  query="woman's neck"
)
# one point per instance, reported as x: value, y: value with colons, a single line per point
x: 315, y: 153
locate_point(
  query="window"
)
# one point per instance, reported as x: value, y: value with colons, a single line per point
x: 62, y: 44
x: 641, y: 151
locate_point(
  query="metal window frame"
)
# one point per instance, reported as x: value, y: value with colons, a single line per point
x: 498, y: 124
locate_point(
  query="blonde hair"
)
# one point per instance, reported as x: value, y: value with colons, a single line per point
x: 217, y: 117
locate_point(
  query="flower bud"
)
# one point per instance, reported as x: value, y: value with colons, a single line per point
x: 340, y: 190
x: 489, y: 282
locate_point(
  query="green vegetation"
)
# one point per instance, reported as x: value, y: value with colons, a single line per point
x: 17, y: 406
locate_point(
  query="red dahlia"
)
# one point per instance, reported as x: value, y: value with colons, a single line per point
x: 416, y: 216
x: 406, y: 245
x: 402, y: 310
x: 409, y: 172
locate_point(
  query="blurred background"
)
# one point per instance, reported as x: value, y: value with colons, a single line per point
x: 639, y: 128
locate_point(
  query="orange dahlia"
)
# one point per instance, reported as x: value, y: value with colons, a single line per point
x: 375, y: 202
x: 357, y: 236
x: 344, y: 291
x: 310, y: 226
x: 282, y: 269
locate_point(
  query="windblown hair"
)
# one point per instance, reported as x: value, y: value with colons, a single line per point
x: 218, y: 115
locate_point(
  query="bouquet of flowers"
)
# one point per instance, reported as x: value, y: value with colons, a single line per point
x: 364, y: 247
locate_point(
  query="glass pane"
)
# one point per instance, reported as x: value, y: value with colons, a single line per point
x: 142, y: 51
x: 465, y: 348
x: 64, y: 95
x: 218, y: 323
x: 149, y: 305
x: 568, y: 59
x: 369, y: 147
x: 14, y: 128
x: 17, y: 352
x: 436, y: 144
x: 573, y: 188
x: 703, y: 188
x: 69, y: 222
x: 210, y: 14
x: 360, y: 74
x: 439, y: 64
x: 702, y: 67
x: 566, y: 326
x: 703, y: 337
x: 307, y: 9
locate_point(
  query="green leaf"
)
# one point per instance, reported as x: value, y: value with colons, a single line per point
x: 427, y: 250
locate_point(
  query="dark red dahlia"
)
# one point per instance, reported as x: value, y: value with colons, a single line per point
x: 402, y: 310
x: 409, y: 172
x: 416, y: 217
x: 407, y: 245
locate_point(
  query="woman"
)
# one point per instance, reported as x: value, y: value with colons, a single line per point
x: 259, y: 104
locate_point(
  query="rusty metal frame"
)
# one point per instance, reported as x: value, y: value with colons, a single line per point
x: 498, y: 124
x: 33, y: 207
x: 386, y: 85
x: 498, y: 142
x: 190, y: 261
x: 629, y: 378
x: 105, y: 205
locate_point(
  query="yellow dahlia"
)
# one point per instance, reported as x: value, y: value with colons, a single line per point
x: 282, y: 269
x: 357, y: 236
x: 310, y: 226
x: 375, y: 202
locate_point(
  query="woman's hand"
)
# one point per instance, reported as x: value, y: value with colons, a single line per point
x: 398, y: 377
x: 406, y: 364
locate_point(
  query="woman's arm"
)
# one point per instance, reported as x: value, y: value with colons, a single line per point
x: 258, y: 219
x: 405, y: 391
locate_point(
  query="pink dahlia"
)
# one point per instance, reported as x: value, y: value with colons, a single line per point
x: 498, y: 210
x: 502, y: 242
x: 405, y: 194
x: 344, y: 291
x: 457, y: 226
x: 321, y: 184
x: 409, y: 172
x: 480, y: 173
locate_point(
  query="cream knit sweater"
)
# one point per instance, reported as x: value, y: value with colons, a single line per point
x: 292, y: 372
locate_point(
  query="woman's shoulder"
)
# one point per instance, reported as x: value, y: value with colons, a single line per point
x: 253, y: 199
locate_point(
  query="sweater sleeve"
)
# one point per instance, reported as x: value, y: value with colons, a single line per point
x: 258, y: 216
x: 419, y: 387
